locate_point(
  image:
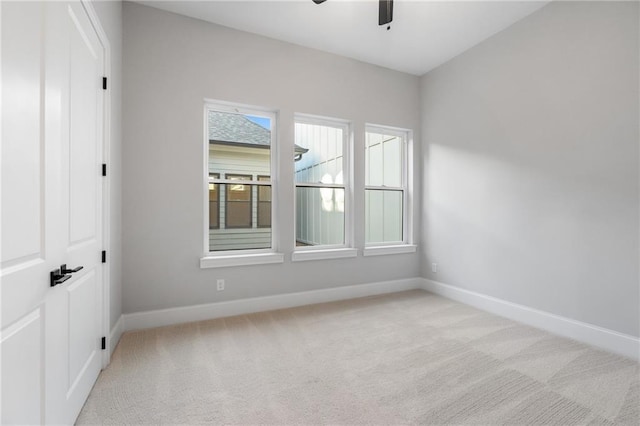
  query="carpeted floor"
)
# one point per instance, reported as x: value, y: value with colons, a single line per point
x: 409, y: 357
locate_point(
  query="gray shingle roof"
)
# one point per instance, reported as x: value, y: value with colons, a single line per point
x: 229, y: 128
x: 236, y: 128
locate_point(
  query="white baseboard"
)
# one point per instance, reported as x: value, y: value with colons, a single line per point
x: 606, y: 339
x: 612, y: 341
x: 116, y: 334
x: 162, y: 317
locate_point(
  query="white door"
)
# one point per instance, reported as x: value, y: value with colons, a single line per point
x: 52, y: 100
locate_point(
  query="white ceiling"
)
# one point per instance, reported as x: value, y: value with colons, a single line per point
x: 423, y: 34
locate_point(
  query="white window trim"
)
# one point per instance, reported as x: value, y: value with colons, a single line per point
x: 323, y: 254
x: 335, y: 250
x: 216, y: 259
x: 389, y: 249
x: 240, y: 259
x: 406, y: 245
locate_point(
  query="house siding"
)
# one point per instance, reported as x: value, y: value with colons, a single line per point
x: 224, y: 160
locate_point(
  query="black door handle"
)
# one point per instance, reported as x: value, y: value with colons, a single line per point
x: 64, y: 270
x: 57, y: 278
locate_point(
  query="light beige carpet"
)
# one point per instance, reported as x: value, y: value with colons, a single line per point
x: 409, y: 357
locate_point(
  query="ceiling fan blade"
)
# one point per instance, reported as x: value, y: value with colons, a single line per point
x: 319, y: 1
x: 385, y: 9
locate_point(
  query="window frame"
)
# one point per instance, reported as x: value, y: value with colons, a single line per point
x: 224, y: 258
x: 406, y: 245
x: 329, y: 251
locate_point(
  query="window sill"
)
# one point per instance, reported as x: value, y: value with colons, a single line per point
x: 240, y: 260
x: 384, y: 250
x: 301, y: 256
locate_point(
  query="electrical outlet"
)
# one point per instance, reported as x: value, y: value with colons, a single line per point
x: 220, y: 285
x: 434, y: 268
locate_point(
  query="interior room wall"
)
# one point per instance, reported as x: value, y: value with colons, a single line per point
x: 530, y: 161
x: 110, y: 16
x: 171, y: 64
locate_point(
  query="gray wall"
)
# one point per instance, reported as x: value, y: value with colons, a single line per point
x: 530, y: 159
x: 110, y: 15
x: 171, y: 63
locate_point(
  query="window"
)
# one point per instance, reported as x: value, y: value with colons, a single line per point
x: 385, y: 186
x: 321, y: 184
x: 239, y: 145
x: 240, y: 178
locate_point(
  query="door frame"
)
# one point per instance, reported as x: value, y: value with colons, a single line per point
x: 106, y: 180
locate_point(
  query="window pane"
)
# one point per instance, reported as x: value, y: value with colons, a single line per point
x: 383, y: 160
x: 214, y: 209
x: 392, y: 158
x: 237, y: 234
x: 319, y: 216
x: 373, y: 159
x: 319, y: 153
x: 214, y: 203
x: 383, y: 216
x: 239, y: 144
x: 264, y: 204
x: 238, y: 203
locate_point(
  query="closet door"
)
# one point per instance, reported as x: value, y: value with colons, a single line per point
x: 74, y: 308
x: 52, y: 97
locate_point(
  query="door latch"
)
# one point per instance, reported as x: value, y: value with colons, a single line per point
x: 64, y: 270
x: 57, y: 277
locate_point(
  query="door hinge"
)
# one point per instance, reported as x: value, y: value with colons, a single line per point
x: 104, y: 83
x: 104, y: 256
x: 104, y: 169
x: 104, y: 343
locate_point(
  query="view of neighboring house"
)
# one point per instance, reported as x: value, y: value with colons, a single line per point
x: 239, y: 212
x: 240, y: 183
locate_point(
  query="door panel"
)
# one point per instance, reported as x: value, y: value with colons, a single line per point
x: 83, y: 137
x: 22, y: 208
x: 22, y: 363
x: 83, y: 326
